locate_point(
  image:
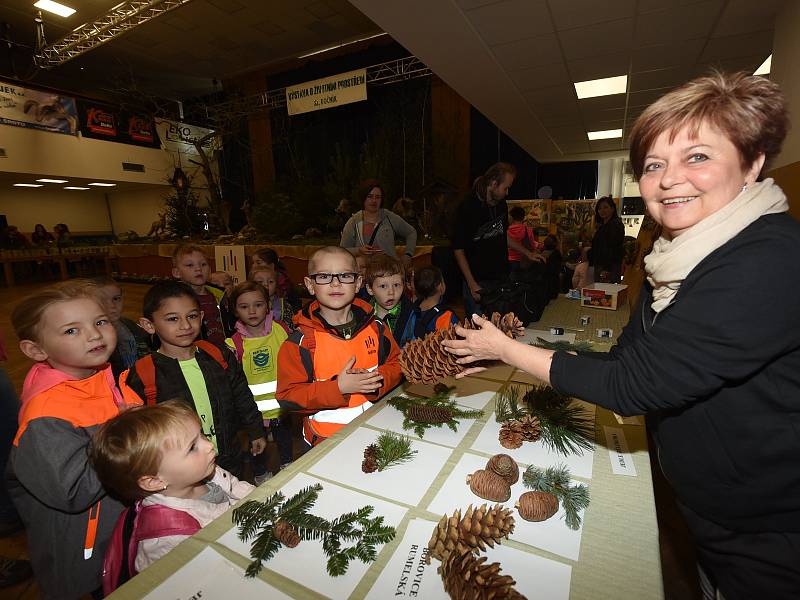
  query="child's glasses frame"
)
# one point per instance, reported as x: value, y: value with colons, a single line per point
x: 327, y: 278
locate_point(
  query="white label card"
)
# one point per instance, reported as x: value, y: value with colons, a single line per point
x: 621, y: 458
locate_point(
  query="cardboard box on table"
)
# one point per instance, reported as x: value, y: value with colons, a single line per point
x: 606, y: 296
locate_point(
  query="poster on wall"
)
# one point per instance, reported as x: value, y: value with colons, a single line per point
x: 98, y: 121
x: 37, y: 109
x: 231, y: 260
x: 327, y: 92
x: 105, y: 122
x: 537, y: 212
x: 180, y: 137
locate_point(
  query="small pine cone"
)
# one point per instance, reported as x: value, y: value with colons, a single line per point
x: 440, y: 388
x: 369, y: 464
x: 537, y: 506
x: 479, y: 527
x: 467, y: 577
x: 286, y: 534
x: 511, y: 434
x: 422, y: 413
x: 489, y: 486
x: 371, y: 451
x: 531, y: 428
x: 505, y: 466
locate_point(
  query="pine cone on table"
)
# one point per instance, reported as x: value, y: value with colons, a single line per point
x: 537, y: 506
x: 423, y: 413
x: 479, y: 528
x: 370, y: 462
x: 467, y: 577
x: 531, y: 428
x: 511, y: 434
x: 489, y: 485
x: 505, y: 466
x: 286, y: 534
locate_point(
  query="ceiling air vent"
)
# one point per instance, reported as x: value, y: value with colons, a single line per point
x: 3, y: 153
x: 136, y: 167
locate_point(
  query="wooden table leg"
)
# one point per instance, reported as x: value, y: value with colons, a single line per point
x: 8, y: 269
x: 62, y: 264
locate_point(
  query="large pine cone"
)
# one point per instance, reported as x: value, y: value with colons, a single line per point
x: 467, y: 577
x: 422, y: 413
x: 505, y: 466
x: 489, y: 486
x: 531, y: 428
x: 286, y: 534
x: 479, y: 527
x: 511, y: 434
x: 537, y: 506
x: 369, y: 464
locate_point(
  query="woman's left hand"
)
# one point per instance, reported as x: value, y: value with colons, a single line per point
x: 485, y: 343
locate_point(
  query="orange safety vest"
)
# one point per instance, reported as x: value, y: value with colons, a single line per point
x: 329, y: 354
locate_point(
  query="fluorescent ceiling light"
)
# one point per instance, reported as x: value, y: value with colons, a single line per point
x: 601, y: 87
x: 53, y: 180
x: 329, y: 48
x: 55, y: 8
x: 98, y: 184
x: 765, y: 67
x: 28, y: 185
x: 608, y: 134
x: 72, y: 187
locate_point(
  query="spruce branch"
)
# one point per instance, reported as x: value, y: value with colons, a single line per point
x: 582, y: 346
x: 508, y: 407
x: 556, y: 480
x: 421, y: 414
x: 392, y: 449
x: 566, y: 427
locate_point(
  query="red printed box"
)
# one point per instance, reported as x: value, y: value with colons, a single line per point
x: 606, y: 296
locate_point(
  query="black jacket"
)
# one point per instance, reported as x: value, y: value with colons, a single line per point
x: 232, y: 402
x: 608, y: 246
x: 718, y: 372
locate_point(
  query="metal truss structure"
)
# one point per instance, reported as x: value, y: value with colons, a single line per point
x: 124, y: 17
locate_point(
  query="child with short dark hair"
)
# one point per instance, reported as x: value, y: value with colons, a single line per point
x: 156, y: 457
x: 431, y: 314
x: 385, y: 282
x: 67, y: 395
x: 205, y: 376
x: 190, y: 265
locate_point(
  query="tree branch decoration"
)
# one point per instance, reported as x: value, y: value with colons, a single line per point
x: 562, y: 426
x: 582, y: 346
x: 277, y: 522
x: 423, y: 413
x: 556, y: 481
x: 388, y: 450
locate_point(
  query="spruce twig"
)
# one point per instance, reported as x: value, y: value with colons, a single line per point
x: 556, y: 480
x: 566, y: 427
x: 447, y: 410
x: 582, y: 346
x: 393, y: 449
x: 508, y: 407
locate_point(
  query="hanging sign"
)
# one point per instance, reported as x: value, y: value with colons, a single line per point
x: 37, y: 109
x: 180, y: 137
x: 327, y: 92
x: 231, y: 260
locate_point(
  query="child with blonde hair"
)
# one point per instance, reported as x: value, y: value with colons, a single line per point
x: 279, y: 306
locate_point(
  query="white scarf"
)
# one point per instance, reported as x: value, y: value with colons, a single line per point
x: 672, y: 260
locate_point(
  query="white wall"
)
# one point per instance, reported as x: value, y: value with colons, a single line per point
x: 80, y: 210
x: 137, y: 209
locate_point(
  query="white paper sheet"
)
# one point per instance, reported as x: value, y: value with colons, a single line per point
x: 471, y: 392
x: 408, y: 576
x: 580, y: 465
x: 552, y: 535
x: 392, y: 419
x: 306, y: 563
x: 405, y: 483
x: 210, y: 576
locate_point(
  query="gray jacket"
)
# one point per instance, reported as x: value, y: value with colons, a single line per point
x: 390, y: 225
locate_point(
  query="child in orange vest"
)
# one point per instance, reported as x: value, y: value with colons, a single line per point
x: 340, y: 359
x: 67, y: 395
x: 157, y: 459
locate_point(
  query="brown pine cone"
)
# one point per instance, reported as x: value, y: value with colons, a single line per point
x: 489, y: 486
x: 505, y: 466
x: 511, y: 434
x: 467, y: 577
x: 479, y: 527
x: 286, y: 534
x: 531, y: 428
x: 371, y: 451
x: 422, y: 413
x: 369, y: 464
x: 508, y: 324
x: 537, y: 506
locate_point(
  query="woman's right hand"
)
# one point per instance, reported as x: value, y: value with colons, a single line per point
x: 367, y: 250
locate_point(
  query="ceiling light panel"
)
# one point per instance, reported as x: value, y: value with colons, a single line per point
x: 73, y: 187
x: 28, y: 185
x: 53, y: 180
x: 608, y: 134
x: 55, y: 8
x: 601, y: 87
x: 98, y: 184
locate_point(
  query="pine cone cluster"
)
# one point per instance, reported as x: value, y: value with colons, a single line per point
x: 489, y: 486
x: 467, y: 577
x: 370, y: 462
x: 511, y: 435
x: 537, y: 506
x: 505, y: 466
x: 426, y: 361
x: 286, y: 534
x: 423, y: 413
x: 479, y: 528
x: 531, y: 428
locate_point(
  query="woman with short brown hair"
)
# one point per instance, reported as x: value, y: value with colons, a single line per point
x: 712, y: 352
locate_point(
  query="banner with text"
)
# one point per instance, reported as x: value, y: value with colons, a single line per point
x: 180, y: 137
x: 327, y: 92
x: 37, y: 109
x: 105, y: 122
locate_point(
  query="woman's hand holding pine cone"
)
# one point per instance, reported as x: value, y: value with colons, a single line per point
x: 358, y: 381
x: 485, y: 342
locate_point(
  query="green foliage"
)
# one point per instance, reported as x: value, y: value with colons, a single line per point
x: 393, y: 449
x: 184, y: 216
x: 256, y: 520
x: 566, y: 427
x: 556, y: 480
x: 584, y: 346
x: 440, y: 399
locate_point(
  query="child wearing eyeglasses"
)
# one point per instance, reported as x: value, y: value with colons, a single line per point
x: 340, y: 359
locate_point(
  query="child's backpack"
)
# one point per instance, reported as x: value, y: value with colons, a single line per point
x: 146, y: 369
x: 134, y: 525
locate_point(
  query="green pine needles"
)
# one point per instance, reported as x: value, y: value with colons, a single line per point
x: 421, y: 414
x: 566, y: 427
x: 353, y: 535
x: 556, y: 481
x: 583, y: 346
x: 392, y: 449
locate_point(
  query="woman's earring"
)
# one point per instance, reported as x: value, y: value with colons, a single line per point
x: 744, y: 187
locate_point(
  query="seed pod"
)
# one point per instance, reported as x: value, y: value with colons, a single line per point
x: 489, y: 486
